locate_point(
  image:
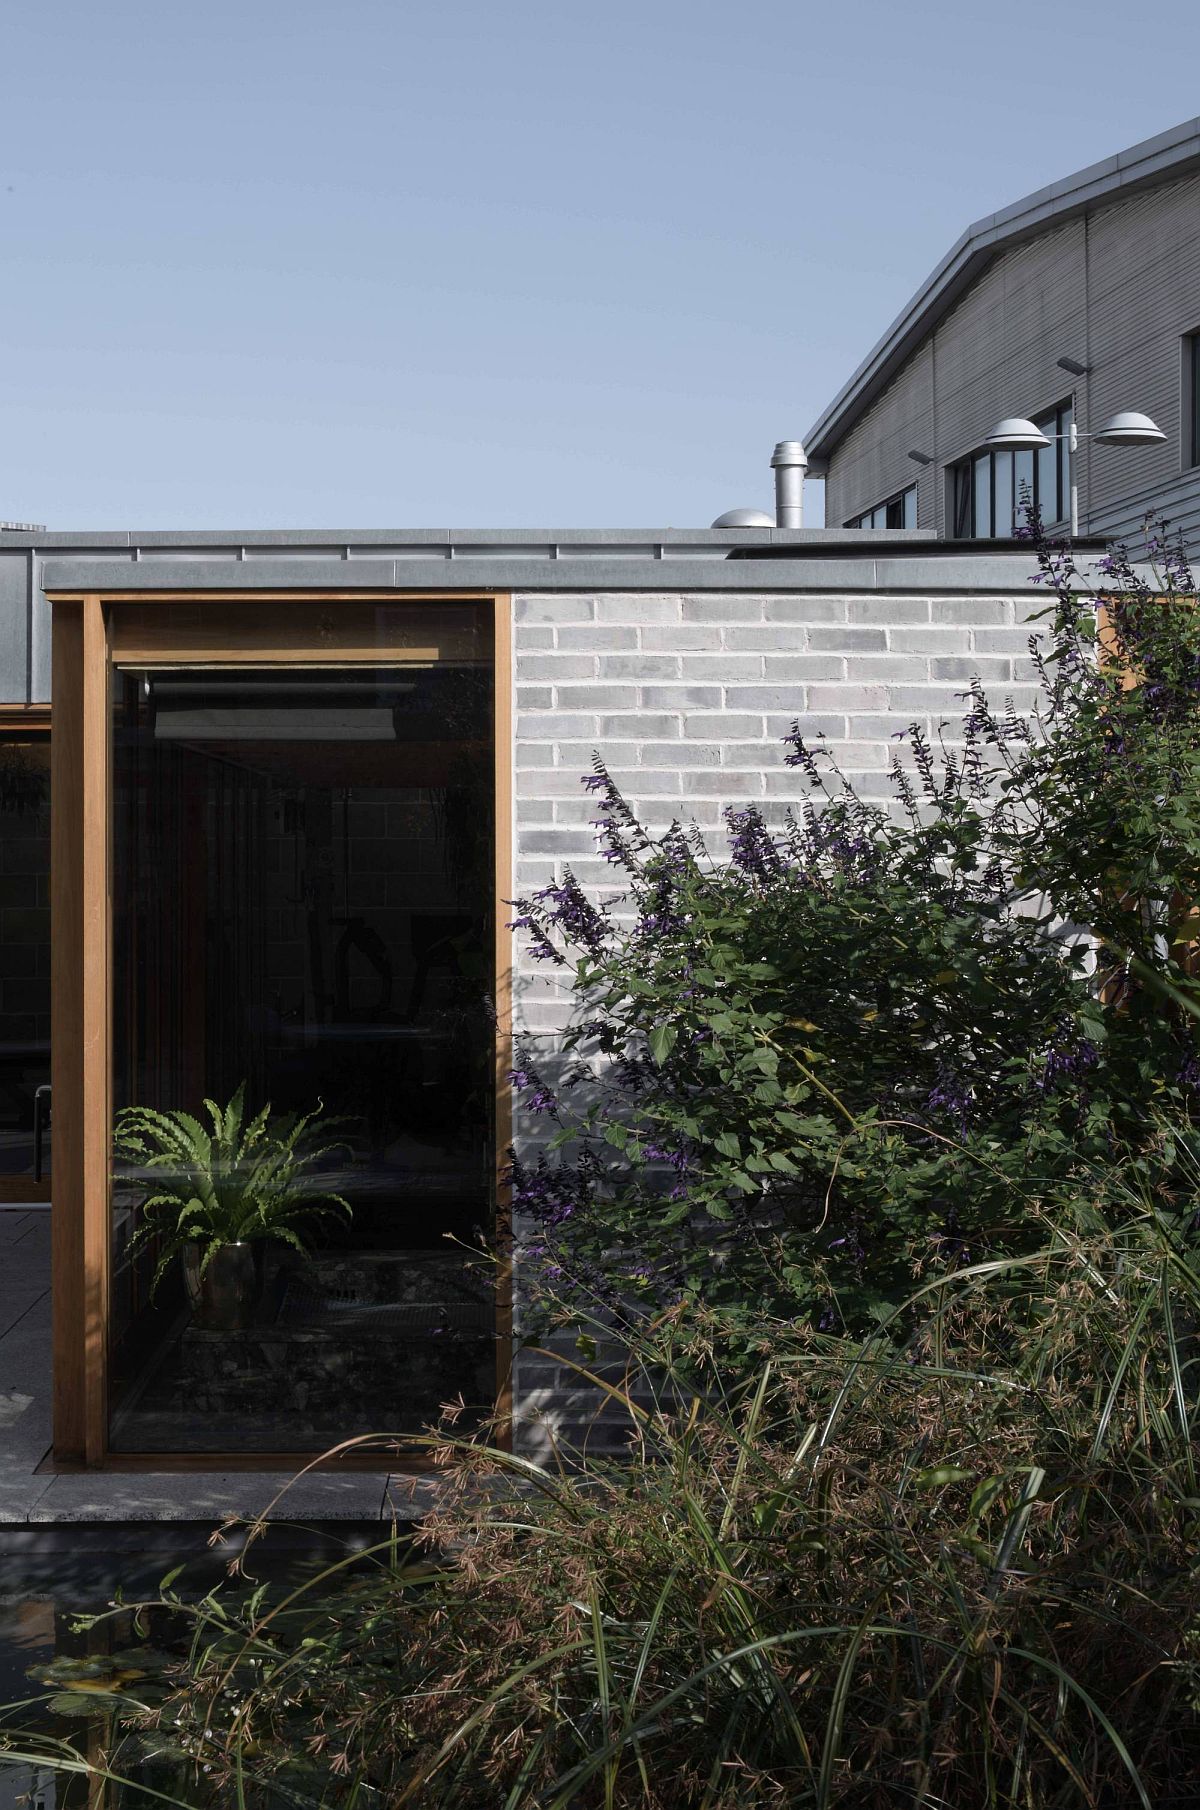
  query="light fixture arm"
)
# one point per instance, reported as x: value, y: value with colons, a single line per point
x: 1072, y: 438
x: 1075, y: 437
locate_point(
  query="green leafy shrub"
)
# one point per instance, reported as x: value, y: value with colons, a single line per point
x: 869, y: 1043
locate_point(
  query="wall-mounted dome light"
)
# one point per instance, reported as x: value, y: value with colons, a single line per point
x: 1128, y: 428
x: 1016, y: 434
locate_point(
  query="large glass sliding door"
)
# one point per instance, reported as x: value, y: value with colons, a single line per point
x: 302, y: 860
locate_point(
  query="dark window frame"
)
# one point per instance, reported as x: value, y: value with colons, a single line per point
x: 1031, y: 469
x: 1191, y: 399
x: 895, y: 504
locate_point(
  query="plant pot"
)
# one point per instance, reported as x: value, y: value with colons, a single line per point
x: 225, y: 1298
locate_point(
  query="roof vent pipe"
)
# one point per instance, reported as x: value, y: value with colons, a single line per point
x: 790, y: 462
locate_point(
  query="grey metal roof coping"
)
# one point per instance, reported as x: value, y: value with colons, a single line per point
x: 923, y: 568
x: 452, y: 540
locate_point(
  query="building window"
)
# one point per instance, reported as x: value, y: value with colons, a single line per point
x: 898, y: 512
x: 1191, y: 380
x: 991, y: 490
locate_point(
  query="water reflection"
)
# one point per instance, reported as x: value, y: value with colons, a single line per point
x: 79, y: 1650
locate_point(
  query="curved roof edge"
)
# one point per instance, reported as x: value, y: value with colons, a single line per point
x: 1157, y: 159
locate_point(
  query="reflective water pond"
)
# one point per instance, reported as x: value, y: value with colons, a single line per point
x: 75, y: 1637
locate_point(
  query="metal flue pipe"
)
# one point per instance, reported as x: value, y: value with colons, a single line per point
x: 789, y: 462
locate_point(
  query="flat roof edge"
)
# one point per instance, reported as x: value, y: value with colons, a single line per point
x: 442, y: 543
x: 888, y: 567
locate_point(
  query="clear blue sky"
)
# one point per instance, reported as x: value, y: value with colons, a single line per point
x: 501, y: 264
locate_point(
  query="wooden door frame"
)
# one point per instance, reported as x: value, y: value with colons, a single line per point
x: 81, y: 1010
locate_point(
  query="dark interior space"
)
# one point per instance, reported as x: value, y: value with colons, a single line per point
x: 24, y: 967
x: 302, y: 898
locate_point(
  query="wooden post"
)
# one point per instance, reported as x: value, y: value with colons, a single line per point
x: 85, y: 643
x: 80, y: 1021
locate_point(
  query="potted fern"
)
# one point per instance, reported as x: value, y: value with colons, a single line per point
x: 213, y: 1198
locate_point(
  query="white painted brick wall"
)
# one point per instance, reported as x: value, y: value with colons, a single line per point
x: 687, y: 699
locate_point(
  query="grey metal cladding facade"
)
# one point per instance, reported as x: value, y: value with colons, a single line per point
x: 873, y: 463
x: 15, y: 589
x: 1144, y: 281
x: 1118, y: 289
x: 993, y: 354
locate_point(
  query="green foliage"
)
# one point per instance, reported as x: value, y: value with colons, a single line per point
x: 870, y: 1175
x: 869, y: 1043
x: 950, y: 1566
x: 245, y: 1179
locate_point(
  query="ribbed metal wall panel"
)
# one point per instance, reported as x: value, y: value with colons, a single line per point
x: 1117, y: 290
x: 1144, y: 280
x: 14, y: 627
x: 873, y: 463
x: 1177, y: 503
x: 995, y: 353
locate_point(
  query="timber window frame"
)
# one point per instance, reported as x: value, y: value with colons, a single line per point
x: 91, y: 631
x: 1190, y: 397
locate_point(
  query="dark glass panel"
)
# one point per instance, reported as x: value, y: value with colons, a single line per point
x: 962, y: 501
x: 1002, y: 494
x: 982, y: 495
x: 1046, y: 481
x: 24, y: 958
x: 1023, y: 463
x: 900, y: 509
x: 302, y: 907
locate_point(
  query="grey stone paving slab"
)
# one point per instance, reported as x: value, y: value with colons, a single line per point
x: 24, y: 1428
x: 25, y: 1260
x: 19, y: 1496
x: 25, y: 1380
x: 29, y: 1232
x: 24, y: 1410
x: 408, y: 1497
x: 199, y: 1496
x: 25, y: 1263
x: 16, y: 1304
x: 33, y: 1498
x: 33, y: 1229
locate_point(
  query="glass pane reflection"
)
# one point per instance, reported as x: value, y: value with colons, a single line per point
x: 24, y: 963
x: 302, y: 910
